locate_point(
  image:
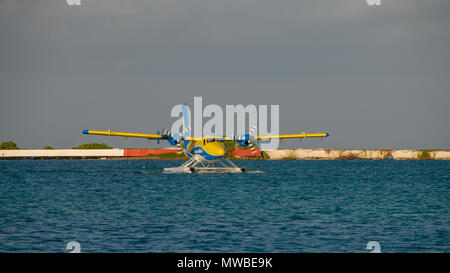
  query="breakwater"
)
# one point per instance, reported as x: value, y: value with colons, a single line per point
x: 301, y: 154
x: 334, y: 154
x: 82, y: 153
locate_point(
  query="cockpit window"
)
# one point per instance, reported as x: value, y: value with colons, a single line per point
x: 214, y: 139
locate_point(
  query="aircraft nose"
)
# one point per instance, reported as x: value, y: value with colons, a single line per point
x: 221, y: 151
x: 216, y: 149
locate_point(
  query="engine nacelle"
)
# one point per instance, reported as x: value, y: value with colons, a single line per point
x: 243, y: 140
x: 174, y: 139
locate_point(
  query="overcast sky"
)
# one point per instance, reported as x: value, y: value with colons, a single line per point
x: 373, y: 77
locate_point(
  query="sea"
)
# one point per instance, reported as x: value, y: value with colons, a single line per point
x: 281, y: 206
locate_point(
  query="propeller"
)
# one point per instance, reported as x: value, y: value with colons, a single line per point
x: 166, y: 132
x: 174, y: 139
x: 252, y: 137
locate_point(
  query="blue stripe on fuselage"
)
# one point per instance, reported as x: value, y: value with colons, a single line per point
x: 201, y: 152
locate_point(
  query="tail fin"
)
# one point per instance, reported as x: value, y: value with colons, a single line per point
x: 186, y: 127
x: 186, y: 124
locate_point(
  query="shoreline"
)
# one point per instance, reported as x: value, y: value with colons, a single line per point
x: 171, y: 154
x: 335, y: 154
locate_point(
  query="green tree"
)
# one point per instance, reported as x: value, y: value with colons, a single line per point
x: 93, y: 146
x: 8, y: 145
x: 48, y: 148
x: 424, y: 155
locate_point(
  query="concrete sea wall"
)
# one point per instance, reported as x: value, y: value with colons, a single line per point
x: 356, y: 154
x: 80, y: 153
x: 271, y: 154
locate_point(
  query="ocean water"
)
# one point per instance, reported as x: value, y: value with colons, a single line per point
x: 279, y: 206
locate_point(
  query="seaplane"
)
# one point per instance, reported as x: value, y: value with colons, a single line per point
x: 207, y: 154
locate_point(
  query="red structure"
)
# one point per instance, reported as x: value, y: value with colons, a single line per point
x: 146, y: 152
x: 245, y: 152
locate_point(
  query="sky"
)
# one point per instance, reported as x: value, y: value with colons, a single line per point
x: 374, y: 77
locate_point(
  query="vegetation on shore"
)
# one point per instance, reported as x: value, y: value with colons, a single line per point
x: 93, y: 146
x: 8, y: 145
x: 169, y: 156
x: 286, y: 154
x: 424, y: 155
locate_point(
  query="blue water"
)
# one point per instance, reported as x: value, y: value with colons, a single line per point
x: 291, y: 206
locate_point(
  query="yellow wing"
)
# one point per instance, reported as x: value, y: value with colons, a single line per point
x: 123, y: 134
x: 301, y: 135
x: 159, y: 136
